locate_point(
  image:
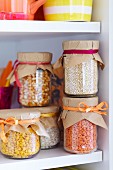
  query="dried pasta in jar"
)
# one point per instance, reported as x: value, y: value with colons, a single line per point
x: 32, y: 74
x: 81, y: 60
x: 79, y: 118
x: 20, y: 133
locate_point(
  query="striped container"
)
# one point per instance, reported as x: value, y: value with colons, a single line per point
x: 68, y: 10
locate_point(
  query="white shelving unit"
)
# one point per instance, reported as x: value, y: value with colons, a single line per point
x: 50, y: 159
x: 48, y: 27
x: 21, y: 33
x: 34, y: 36
x: 30, y: 30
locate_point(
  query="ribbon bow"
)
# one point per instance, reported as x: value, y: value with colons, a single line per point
x: 12, y: 121
x: 100, y: 108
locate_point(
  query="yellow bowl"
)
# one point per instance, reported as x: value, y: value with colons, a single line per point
x: 68, y: 10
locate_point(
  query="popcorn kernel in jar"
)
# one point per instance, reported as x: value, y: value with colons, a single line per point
x: 36, y: 92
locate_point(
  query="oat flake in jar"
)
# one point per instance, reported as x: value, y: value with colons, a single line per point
x: 49, y: 119
x: 81, y: 61
x: 20, y: 133
x: 32, y: 74
x: 80, y: 119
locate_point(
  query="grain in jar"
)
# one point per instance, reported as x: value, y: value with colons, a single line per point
x: 21, y: 137
x: 81, y: 61
x: 32, y: 74
x: 49, y: 119
x: 21, y: 145
x: 80, y: 124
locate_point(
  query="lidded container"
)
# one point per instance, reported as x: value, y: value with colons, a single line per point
x: 49, y: 119
x: 20, y: 133
x: 19, y: 9
x: 68, y: 10
x: 80, y: 119
x: 81, y: 61
x: 32, y: 73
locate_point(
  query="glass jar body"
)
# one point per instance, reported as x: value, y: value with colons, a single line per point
x: 82, y: 80
x: 53, y: 140
x: 81, y: 138
x: 21, y: 145
x: 36, y: 89
x: 50, y: 124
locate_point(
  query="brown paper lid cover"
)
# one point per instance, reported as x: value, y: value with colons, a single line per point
x: 80, y: 45
x: 74, y: 102
x: 20, y: 114
x: 49, y: 109
x: 72, y: 117
x: 34, y: 57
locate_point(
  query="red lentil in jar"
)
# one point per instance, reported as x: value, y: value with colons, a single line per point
x: 81, y: 137
x: 80, y: 134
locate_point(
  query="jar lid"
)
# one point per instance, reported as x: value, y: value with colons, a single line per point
x: 80, y: 45
x: 34, y: 56
x: 74, y: 102
x: 48, y: 109
x: 20, y: 114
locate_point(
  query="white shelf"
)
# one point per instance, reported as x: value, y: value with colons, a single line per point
x: 21, y: 29
x: 50, y: 159
x: 48, y: 26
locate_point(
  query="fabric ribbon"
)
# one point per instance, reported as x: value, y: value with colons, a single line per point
x: 47, y: 115
x: 17, y: 63
x: 100, y: 108
x: 12, y: 121
x: 91, y: 51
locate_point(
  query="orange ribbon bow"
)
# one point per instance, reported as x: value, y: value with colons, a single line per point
x: 100, y: 108
x: 12, y: 121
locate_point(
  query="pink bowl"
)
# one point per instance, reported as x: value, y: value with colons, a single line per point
x: 6, y: 97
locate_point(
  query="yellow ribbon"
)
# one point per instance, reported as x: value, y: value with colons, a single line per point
x: 46, y: 115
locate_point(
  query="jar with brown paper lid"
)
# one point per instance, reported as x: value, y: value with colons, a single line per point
x: 80, y: 124
x: 49, y: 119
x: 20, y: 133
x: 32, y: 73
x: 81, y: 61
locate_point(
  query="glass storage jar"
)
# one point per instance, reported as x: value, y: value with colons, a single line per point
x: 81, y: 60
x: 21, y: 145
x: 33, y: 76
x: 21, y: 137
x: 80, y: 133
x: 49, y: 119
